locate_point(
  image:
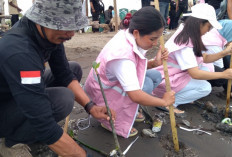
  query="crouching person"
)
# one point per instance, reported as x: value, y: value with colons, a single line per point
x: 32, y: 99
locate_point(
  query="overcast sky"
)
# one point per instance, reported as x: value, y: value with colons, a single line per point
x: 129, y: 4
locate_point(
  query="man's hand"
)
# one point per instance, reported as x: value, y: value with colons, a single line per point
x: 66, y: 146
x: 19, y: 9
x: 100, y: 112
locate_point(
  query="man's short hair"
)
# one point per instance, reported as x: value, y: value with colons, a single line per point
x: 111, y: 8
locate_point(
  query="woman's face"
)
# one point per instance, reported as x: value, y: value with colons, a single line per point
x: 147, y: 41
x: 205, y: 28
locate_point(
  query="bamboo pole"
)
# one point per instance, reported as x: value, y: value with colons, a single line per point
x: 168, y: 88
x: 86, y: 8
x: 66, y: 126
x: 116, y: 15
x: 228, y: 92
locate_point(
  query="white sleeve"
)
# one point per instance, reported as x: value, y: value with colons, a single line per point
x: 124, y: 71
x: 186, y: 58
x: 212, y: 50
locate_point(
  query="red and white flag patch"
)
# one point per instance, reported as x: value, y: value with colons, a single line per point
x: 30, y: 77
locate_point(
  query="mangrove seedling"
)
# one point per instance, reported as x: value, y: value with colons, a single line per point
x: 118, y: 149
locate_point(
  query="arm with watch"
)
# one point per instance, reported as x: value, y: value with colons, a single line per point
x: 98, y: 112
x: 66, y: 146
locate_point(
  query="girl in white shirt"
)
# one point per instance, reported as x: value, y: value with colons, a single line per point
x: 186, y: 63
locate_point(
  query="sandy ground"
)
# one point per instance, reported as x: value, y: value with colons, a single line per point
x: 84, y: 49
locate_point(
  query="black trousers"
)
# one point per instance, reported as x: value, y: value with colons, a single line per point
x: 221, y: 82
x: 14, y: 19
x: 95, y: 17
x: 146, y: 3
x: 218, y: 82
x: 15, y: 127
x: 172, y: 14
x: 182, y: 9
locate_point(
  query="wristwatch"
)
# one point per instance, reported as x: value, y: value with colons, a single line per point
x: 88, y: 106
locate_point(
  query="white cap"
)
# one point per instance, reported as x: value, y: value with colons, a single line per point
x: 206, y: 12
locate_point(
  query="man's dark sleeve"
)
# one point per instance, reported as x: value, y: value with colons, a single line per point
x: 31, y: 97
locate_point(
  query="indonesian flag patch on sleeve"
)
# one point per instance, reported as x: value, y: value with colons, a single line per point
x: 30, y: 77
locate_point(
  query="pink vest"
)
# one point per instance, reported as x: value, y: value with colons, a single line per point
x: 213, y: 37
x: 201, y: 1
x: 178, y: 78
x: 118, y: 47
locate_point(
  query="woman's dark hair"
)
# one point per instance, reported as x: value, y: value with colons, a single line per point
x: 146, y: 21
x: 191, y: 32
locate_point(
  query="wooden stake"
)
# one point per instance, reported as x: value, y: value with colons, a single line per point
x: 168, y: 88
x: 86, y: 7
x: 116, y: 16
x: 228, y: 92
x: 66, y: 125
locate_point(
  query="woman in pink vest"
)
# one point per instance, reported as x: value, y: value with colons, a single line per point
x: 186, y: 63
x: 215, y: 41
x: 124, y: 74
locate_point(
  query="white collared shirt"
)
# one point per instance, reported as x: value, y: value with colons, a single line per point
x: 124, y: 70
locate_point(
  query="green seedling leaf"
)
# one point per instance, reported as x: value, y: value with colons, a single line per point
x: 92, y: 148
x: 71, y: 134
x: 98, y: 65
x: 95, y: 65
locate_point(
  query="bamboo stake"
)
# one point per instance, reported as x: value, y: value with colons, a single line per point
x: 116, y: 16
x: 168, y: 88
x: 228, y: 92
x: 66, y: 126
x: 86, y: 7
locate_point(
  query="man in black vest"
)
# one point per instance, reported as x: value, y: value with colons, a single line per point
x: 33, y: 99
